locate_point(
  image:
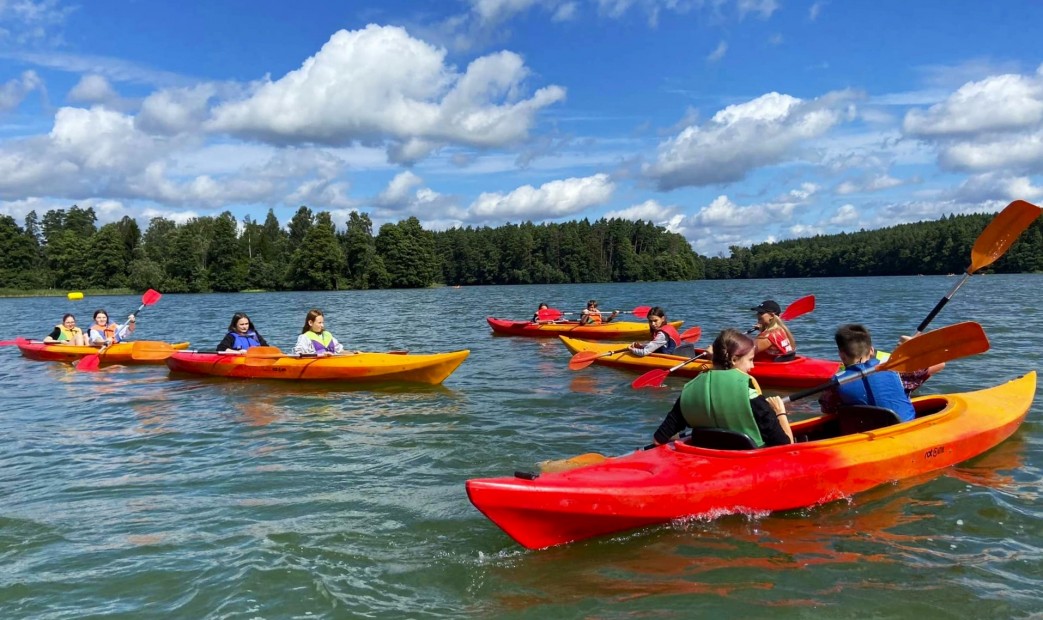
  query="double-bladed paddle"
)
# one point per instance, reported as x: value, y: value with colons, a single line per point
x: 655, y: 378
x: 583, y: 359
x: 17, y: 341
x: 992, y: 243
x: 553, y: 314
x: 91, y: 362
x: 941, y: 345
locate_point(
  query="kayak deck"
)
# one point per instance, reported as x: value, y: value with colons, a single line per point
x: 363, y: 367
x: 678, y: 480
x: 119, y: 353
x: 615, y: 330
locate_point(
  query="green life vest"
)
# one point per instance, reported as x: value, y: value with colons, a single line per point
x: 721, y: 399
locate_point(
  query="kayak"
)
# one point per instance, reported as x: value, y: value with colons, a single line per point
x: 363, y: 367
x: 119, y: 353
x: 616, y: 330
x: 680, y: 481
x: 798, y: 373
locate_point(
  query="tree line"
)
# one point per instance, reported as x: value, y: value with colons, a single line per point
x: 65, y: 249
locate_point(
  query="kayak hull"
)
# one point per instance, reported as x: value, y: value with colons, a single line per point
x: 362, y: 368
x: 119, y: 353
x: 798, y: 373
x: 677, y: 481
x: 616, y: 330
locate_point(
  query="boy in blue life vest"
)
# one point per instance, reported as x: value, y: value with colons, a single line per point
x: 879, y: 389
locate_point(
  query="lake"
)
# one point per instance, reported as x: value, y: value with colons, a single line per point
x: 130, y: 493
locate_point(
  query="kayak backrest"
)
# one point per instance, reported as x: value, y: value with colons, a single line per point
x: 720, y: 439
x: 862, y: 418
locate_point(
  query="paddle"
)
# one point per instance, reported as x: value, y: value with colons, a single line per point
x: 941, y: 345
x: 553, y: 314
x: 655, y: 378
x: 17, y: 341
x: 583, y: 359
x: 991, y: 244
x: 91, y: 362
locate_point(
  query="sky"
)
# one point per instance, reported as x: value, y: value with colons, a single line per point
x: 731, y: 122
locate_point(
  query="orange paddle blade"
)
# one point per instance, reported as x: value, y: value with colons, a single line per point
x: 145, y: 350
x: 583, y: 460
x: 1001, y: 233
x: 264, y: 352
x: 583, y: 359
x: 937, y: 347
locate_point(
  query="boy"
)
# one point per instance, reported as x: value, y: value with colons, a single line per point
x: 880, y: 389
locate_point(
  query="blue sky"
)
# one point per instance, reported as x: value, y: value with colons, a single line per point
x: 729, y: 121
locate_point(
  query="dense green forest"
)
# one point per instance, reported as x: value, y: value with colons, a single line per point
x: 67, y: 250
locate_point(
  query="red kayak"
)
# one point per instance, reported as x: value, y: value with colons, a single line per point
x: 835, y: 457
x: 614, y: 330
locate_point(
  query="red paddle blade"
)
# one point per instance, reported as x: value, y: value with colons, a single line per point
x: 549, y: 314
x: 800, y: 307
x: 652, y: 378
x: 692, y: 335
x: 16, y: 341
x: 150, y: 297
x: 641, y: 312
x: 583, y: 359
x: 89, y: 363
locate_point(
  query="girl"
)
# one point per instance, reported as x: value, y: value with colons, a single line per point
x: 241, y: 335
x: 775, y: 340
x: 66, y: 333
x: 314, y: 339
x: 664, y: 336
x: 104, y: 333
x: 727, y: 397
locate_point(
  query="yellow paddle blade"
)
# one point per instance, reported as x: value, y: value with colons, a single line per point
x: 1002, y: 231
x: 583, y: 460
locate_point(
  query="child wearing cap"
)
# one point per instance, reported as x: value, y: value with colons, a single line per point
x: 775, y: 341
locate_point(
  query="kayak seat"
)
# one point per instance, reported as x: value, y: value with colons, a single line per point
x: 862, y: 418
x: 720, y: 439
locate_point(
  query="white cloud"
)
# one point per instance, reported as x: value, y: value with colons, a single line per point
x: 718, y: 53
x: 179, y: 217
x: 380, y: 84
x: 816, y: 9
x: 846, y: 215
x: 742, y: 137
x: 14, y: 91
x: 550, y: 200
x: 998, y: 103
x: 176, y: 110
x: 996, y: 186
x: 874, y: 183
x: 761, y: 8
x: 92, y: 89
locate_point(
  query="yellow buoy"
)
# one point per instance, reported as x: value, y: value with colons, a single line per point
x: 73, y: 296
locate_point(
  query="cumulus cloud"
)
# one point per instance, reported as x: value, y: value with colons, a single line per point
x: 872, y: 184
x: 996, y: 186
x: 846, y: 215
x: 740, y: 138
x: 380, y: 84
x: 550, y: 200
x: 14, y: 91
x: 176, y: 110
x: 92, y: 89
x: 669, y: 217
x: 992, y: 124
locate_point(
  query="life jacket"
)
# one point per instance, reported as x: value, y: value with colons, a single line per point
x: 780, y: 345
x: 880, y: 389
x: 673, y: 339
x: 721, y: 399
x: 65, y: 334
x: 241, y: 342
x: 322, y: 342
x: 107, y: 332
x: 595, y: 315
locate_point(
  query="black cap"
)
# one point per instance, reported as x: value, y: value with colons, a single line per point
x: 768, y: 305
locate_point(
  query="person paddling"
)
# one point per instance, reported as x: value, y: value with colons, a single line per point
x: 775, y: 341
x: 592, y: 316
x: 241, y: 336
x: 314, y: 339
x: 880, y: 389
x: 104, y: 333
x: 66, y: 333
x: 728, y: 397
x: 665, y: 338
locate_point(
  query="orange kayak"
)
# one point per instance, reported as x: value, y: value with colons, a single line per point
x: 363, y: 367
x: 616, y: 330
x: 679, y: 480
x: 119, y: 353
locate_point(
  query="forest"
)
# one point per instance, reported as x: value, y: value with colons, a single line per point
x: 66, y: 250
